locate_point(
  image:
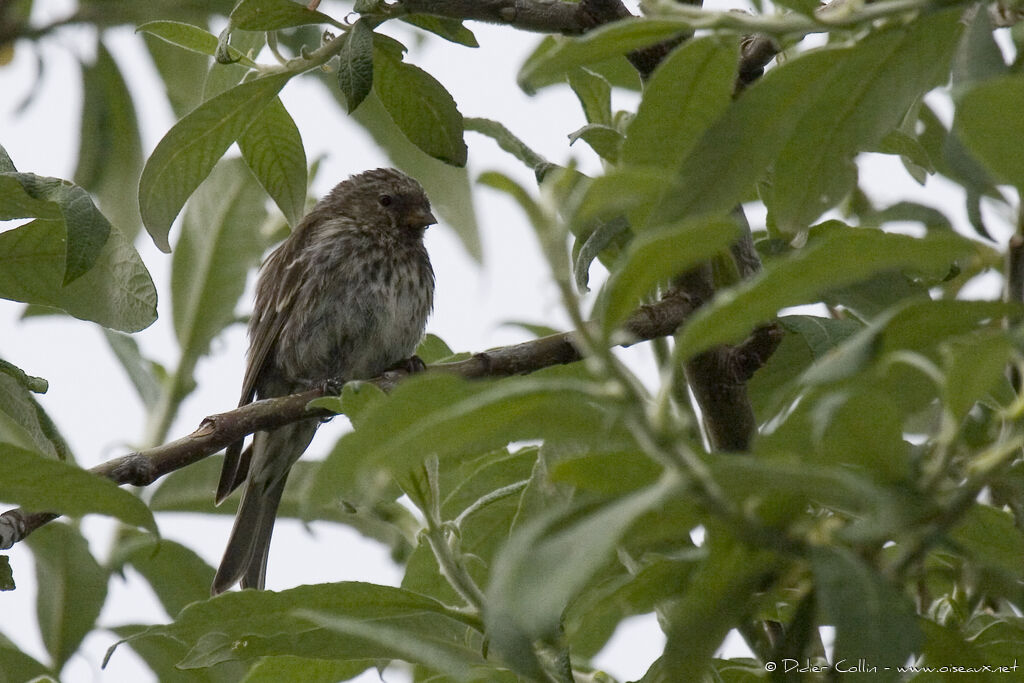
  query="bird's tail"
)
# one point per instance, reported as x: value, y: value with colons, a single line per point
x: 245, y: 557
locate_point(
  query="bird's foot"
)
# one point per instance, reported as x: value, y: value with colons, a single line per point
x: 332, y: 386
x: 411, y: 365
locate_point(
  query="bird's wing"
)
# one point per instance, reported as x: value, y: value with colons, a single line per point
x: 274, y: 301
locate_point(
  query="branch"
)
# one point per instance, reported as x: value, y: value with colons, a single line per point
x: 528, y: 15
x: 216, y: 432
x: 756, y: 50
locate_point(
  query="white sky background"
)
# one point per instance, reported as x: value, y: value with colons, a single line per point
x: 95, y: 406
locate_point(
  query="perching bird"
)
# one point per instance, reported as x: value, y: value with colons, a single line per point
x: 345, y: 297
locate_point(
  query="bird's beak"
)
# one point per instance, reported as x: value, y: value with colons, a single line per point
x: 421, y: 218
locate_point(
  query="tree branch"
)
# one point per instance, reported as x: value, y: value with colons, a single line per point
x: 527, y: 15
x: 215, y: 432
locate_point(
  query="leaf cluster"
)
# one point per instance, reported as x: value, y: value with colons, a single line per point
x: 881, y: 496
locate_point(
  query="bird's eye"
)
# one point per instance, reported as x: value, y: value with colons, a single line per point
x: 385, y: 200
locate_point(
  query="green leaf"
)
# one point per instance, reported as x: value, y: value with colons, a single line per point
x: 23, y: 422
x: 533, y: 211
x: 447, y: 417
x: 802, y: 6
x: 810, y: 115
x: 39, y: 483
x: 553, y: 58
x: 868, y: 299
x: 248, y: 624
x: 719, y: 595
x: 978, y: 56
x: 974, y: 367
x: 920, y: 326
x: 605, y: 242
x: 180, y: 72
x: 943, y: 644
x: 985, y: 121
x: 595, y: 95
x: 782, y: 486
x: 913, y: 154
x: 615, y: 594
x: 161, y: 654
x: 988, y: 537
x: 420, y: 106
x: 808, y: 339
x: 192, y: 38
x: 536, y: 330
x: 18, y: 666
x: 625, y: 191
x: 6, y: 580
x: 684, y: 95
x: 220, y: 242
x: 72, y: 588
x: 507, y: 141
x: 821, y: 335
x: 448, y: 28
x: 433, y: 349
x: 189, y: 489
x: 270, y: 15
x: 132, y: 13
x: 26, y: 195
x: 434, y: 651
x: 842, y: 257
x: 357, y: 398
x: 915, y: 326
x: 874, y: 620
x: 605, y: 140
x: 110, y: 146
x: 189, y: 151
x: 176, y: 574
x: 869, y: 92
x: 613, y: 473
x: 931, y: 218
x: 117, y: 292
x: 272, y: 148
x: 143, y: 373
x: 657, y: 255
x: 285, y: 667
x: 998, y: 638
x: 355, y: 67
x: 862, y: 430
x: 547, y: 561
x: 6, y: 165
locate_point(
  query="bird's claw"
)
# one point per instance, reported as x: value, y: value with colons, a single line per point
x: 411, y: 365
x: 332, y: 386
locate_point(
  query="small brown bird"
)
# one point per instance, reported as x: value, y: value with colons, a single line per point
x: 345, y: 297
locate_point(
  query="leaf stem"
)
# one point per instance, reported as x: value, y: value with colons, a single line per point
x: 506, y: 140
x: 492, y: 497
x: 443, y: 542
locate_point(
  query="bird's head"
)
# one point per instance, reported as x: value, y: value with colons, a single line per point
x: 388, y: 198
